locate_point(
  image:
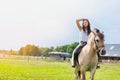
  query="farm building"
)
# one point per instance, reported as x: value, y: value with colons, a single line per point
x: 112, y: 53
x: 59, y: 55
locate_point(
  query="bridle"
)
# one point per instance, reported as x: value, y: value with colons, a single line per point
x: 98, y: 49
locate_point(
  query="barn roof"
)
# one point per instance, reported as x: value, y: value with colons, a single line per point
x: 113, y: 50
x: 60, y: 53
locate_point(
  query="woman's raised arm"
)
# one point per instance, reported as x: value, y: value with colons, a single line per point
x: 78, y: 24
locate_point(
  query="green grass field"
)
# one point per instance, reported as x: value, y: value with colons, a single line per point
x: 21, y: 69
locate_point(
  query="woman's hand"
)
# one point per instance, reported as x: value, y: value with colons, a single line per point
x: 80, y: 19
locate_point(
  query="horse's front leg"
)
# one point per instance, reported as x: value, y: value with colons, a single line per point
x: 92, y: 73
x: 76, y: 74
x: 82, y: 75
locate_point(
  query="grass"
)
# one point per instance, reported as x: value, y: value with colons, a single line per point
x: 21, y: 69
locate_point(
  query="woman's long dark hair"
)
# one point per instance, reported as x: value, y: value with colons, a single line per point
x: 88, y: 27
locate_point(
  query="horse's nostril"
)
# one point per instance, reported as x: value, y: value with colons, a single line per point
x: 103, y: 52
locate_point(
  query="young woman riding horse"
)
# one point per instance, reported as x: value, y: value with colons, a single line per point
x: 85, y: 31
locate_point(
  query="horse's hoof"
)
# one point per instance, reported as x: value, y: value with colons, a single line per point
x: 98, y: 67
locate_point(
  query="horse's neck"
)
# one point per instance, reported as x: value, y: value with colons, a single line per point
x: 92, y: 45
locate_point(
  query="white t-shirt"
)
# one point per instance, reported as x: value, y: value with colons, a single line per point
x: 83, y: 36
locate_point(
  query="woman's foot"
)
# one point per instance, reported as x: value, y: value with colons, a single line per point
x: 73, y: 66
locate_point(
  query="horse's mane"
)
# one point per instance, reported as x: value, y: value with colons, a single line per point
x: 94, y: 33
x: 100, y: 35
x: 91, y: 35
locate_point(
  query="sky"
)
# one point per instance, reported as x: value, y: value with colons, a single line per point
x: 48, y: 23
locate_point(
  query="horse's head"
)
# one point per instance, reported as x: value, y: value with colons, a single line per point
x: 98, y: 39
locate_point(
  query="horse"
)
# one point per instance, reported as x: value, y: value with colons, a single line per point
x: 88, y: 59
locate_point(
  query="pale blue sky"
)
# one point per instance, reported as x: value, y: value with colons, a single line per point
x: 52, y: 22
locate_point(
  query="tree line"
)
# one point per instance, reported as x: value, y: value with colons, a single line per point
x: 33, y: 50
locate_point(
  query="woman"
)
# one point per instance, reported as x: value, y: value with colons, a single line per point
x: 85, y: 31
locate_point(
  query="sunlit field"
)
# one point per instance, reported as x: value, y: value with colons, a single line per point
x: 21, y: 69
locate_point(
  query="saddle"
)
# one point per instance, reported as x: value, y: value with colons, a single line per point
x: 79, y: 50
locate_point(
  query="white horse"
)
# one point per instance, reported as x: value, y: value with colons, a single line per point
x: 88, y: 59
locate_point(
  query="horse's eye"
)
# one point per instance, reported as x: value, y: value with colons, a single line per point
x: 97, y: 40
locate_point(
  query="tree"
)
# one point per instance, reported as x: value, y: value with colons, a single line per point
x: 45, y: 51
x: 71, y: 47
x: 33, y: 50
x: 30, y: 50
x: 11, y: 52
x: 67, y: 48
x: 51, y: 48
x: 61, y: 48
